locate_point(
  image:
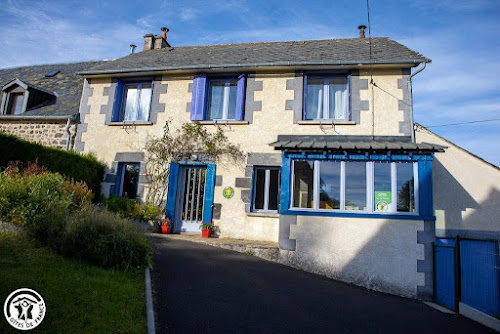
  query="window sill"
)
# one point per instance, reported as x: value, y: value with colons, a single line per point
x: 326, y: 122
x: 222, y: 122
x: 129, y: 123
x: 264, y: 214
x: 353, y: 214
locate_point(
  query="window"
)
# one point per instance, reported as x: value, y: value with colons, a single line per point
x: 359, y: 186
x: 266, y: 189
x: 15, y: 106
x: 326, y: 97
x: 127, y: 179
x: 132, y: 102
x: 222, y: 100
x: 218, y: 98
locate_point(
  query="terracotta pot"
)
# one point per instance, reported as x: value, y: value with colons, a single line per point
x: 165, y: 229
x: 205, y: 233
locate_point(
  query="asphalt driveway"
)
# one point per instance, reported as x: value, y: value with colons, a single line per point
x: 202, y: 289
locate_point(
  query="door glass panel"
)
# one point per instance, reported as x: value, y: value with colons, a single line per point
x: 194, y: 193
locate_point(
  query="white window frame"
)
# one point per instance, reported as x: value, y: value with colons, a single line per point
x: 267, y: 186
x: 137, y: 100
x: 370, y: 178
x: 326, y: 97
x: 225, y: 99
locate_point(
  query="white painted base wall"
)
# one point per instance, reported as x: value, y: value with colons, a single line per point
x: 379, y: 254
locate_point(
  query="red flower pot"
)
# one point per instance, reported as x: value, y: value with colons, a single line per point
x: 205, y: 233
x: 165, y: 229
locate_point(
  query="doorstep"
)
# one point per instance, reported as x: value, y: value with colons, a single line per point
x: 266, y: 250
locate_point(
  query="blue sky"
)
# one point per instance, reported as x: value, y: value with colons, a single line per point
x: 460, y: 36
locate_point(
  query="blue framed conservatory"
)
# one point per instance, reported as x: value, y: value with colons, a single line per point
x: 356, y: 176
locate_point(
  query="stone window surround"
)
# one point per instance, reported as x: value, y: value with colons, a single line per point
x: 155, y: 107
x: 127, y: 157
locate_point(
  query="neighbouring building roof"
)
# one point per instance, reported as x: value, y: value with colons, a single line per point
x: 66, y: 86
x: 352, y: 143
x: 353, y: 51
x: 420, y: 127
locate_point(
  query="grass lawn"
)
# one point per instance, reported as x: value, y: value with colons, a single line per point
x: 79, y: 297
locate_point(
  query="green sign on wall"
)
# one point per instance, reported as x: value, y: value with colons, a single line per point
x: 228, y: 192
x: 383, y: 200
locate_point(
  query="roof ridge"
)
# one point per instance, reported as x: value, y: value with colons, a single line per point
x: 54, y: 64
x: 271, y: 42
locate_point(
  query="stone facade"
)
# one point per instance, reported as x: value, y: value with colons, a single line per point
x: 46, y: 133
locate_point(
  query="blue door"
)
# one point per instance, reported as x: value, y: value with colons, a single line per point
x: 445, y: 272
x: 479, y: 269
x: 190, y: 196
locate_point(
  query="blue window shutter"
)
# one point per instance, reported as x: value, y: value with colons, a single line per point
x: 198, y: 100
x: 172, y: 191
x: 240, y: 98
x: 209, y: 193
x: 117, y: 104
x: 119, y: 179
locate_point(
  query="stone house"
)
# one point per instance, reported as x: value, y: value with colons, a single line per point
x: 41, y: 103
x: 332, y: 172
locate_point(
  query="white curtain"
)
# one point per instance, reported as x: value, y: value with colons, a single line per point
x: 216, y: 101
x: 130, y: 104
x: 338, y: 100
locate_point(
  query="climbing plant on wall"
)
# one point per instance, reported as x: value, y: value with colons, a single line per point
x: 191, y: 139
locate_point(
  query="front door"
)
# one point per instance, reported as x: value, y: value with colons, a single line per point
x: 191, y: 199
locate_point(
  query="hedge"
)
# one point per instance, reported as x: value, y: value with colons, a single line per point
x: 79, y: 167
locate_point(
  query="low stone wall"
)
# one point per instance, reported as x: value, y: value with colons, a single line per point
x: 51, y: 133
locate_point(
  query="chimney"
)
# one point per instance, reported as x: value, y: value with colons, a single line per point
x: 362, y: 31
x: 132, y: 48
x: 149, y: 40
x: 161, y: 41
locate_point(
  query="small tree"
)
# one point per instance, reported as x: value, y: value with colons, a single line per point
x: 191, y: 138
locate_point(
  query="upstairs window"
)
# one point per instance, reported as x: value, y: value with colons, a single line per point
x: 15, y: 106
x: 218, y: 98
x: 326, y: 97
x: 132, y: 102
x: 222, y: 100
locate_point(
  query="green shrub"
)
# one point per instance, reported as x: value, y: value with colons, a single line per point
x: 59, y: 213
x: 78, y: 167
x: 129, y: 208
x: 105, y: 239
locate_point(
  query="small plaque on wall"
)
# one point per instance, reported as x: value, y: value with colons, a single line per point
x: 228, y: 192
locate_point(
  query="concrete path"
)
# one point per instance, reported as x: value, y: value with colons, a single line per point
x: 203, y: 289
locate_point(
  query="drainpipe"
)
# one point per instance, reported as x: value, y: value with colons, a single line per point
x: 411, y: 101
x: 68, y: 139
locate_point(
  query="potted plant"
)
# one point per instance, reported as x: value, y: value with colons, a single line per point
x: 206, y: 229
x: 165, y: 225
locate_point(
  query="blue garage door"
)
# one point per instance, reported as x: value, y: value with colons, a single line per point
x: 479, y: 270
x: 445, y: 272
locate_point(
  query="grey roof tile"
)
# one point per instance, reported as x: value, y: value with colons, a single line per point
x: 352, y: 143
x: 67, y: 85
x: 251, y: 55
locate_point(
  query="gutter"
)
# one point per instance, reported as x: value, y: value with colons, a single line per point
x: 412, y: 122
x: 268, y: 64
x: 38, y: 118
